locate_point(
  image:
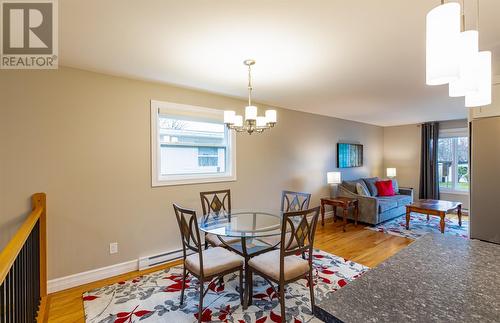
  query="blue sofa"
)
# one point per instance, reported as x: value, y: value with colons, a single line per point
x: 374, y: 209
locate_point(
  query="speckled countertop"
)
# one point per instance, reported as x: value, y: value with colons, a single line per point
x: 436, y: 279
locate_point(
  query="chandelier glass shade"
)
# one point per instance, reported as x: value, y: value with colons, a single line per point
x: 443, y: 31
x: 253, y: 122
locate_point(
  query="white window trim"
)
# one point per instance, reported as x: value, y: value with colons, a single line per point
x: 191, y: 178
x: 452, y: 133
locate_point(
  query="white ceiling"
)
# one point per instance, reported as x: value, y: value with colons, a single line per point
x: 361, y: 60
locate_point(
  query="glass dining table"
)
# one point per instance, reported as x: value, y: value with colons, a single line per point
x: 246, y: 225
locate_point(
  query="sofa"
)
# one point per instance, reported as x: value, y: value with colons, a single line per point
x: 374, y: 209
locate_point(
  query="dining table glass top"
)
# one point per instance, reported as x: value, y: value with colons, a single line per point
x: 242, y: 223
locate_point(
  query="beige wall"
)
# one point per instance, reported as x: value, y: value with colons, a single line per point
x: 402, y: 150
x: 84, y: 138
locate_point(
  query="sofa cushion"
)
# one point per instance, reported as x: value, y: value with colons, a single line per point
x: 362, y: 190
x: 351, y: 185
x: 370, y: 184
x: 386, y: 204
x: 403, y: 200
x: 395, y: 185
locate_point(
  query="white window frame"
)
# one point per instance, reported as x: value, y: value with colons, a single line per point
x: 454, y: 133
x: 182, y: 179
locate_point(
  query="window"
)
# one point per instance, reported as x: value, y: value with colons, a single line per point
x: 190, y: 145
x: 453, y: 161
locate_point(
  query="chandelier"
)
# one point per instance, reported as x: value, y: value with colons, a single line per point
x: 453, y: 55
x: 253, y: 122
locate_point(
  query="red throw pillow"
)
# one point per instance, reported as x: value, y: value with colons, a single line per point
x: 385, y: 188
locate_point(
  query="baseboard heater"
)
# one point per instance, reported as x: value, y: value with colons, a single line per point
x: 155, y: 260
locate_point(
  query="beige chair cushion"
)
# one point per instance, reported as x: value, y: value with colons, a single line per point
x: 269, y: 263
x: 215, y: 260
x: 214, y: 240
x: 275, y: 240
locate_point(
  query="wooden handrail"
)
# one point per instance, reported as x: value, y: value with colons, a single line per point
x: 10, y: 252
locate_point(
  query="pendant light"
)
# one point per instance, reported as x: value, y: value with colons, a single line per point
x: 253, y: 123
x: 481, y: 75
x: 468, y: 52
x: 482, y: 96
x: 442, y: 41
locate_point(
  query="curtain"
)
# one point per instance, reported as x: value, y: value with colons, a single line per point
x: 429, y: 185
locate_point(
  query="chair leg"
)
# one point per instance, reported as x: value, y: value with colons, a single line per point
x: 200, y: 305
x: 183, y: 283
x: 311, y: 289
x: 241, y: 286
x: 282, y: 302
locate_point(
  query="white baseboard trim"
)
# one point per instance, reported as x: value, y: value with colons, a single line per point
x: 58, y: 284
x: 62, y: 283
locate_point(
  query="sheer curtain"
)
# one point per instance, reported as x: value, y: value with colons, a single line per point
x: 429, y: 185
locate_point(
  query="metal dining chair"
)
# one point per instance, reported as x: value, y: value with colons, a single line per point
x: 290, y: 201
x: 283, y: 266
x: 294, y: 201
x: 205, y: 265
x: 215, y: 202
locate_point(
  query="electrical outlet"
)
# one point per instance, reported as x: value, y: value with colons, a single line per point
x: 113, y: 247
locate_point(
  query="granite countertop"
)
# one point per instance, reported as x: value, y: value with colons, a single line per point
x: 435, y: 279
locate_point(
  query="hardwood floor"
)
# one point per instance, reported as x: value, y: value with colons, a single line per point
x: 366, y: 247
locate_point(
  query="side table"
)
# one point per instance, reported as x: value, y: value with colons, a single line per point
x: 345, y: 203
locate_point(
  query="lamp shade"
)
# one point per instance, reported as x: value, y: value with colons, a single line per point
x: 333, y: 178
x: 251, y: 112
x: 442, y: 41
x: 271, y: 116
x: 229, y: 117
x: 391, y: 172
x: 482, y: 69
x: 468, y: 54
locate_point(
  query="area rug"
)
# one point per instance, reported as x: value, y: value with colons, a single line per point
x: 419, y: 226
x: 155, y: 297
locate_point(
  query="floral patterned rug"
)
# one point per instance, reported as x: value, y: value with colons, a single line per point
x: 155, y: 297
x: 419, y: 226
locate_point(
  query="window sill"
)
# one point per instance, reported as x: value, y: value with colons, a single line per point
x: 191, y: 181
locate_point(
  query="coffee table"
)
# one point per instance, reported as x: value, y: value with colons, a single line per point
x: 434, y: 207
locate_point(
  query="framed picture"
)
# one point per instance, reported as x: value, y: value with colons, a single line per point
x: 349, y: 155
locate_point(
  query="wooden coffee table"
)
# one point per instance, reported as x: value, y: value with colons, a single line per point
x: 434, y: 207
x: 345, y: 203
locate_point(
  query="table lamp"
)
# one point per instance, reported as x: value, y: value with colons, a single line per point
x: 391, y: 172
x: 333, y: 178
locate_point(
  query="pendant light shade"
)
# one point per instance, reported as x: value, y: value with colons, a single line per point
x: 442, y: 40
x: 468, y: 55
x: 482, y: 71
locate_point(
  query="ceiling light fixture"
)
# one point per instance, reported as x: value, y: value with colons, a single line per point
x: 452, y: 55
x: 253, y: 122
x: 442, y: 34
x: 468, y: 52
x: 481, y: 75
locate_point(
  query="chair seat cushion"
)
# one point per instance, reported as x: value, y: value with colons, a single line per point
x: 275, y: 240
x: 215, y: 260
x: 215, y: 241
x: 269, y: 264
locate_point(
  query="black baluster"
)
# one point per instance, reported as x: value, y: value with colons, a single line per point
x: 2, y: 304
x: 10, y: 303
